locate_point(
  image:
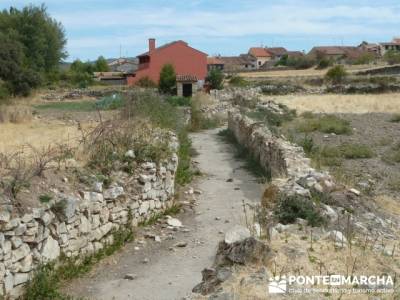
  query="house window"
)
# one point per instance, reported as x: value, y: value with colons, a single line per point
x: 259, y: 63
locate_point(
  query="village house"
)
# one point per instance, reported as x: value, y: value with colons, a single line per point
x: 124, y: 65
x: 189, y: 63
x: 261, y: 55
x: 215, y: 63
x: 371, y: 48
x: 393, y: 45
x: 243, y: 62
x: 276, y: 52
x: 336, y: 53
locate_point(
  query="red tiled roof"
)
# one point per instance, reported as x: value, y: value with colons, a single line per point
x: 186, y: 78
x: 214, y: 61
x: 259, y: 52
x: 276, y: 51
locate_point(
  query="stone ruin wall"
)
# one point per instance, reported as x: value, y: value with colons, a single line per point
x: 87, y: 222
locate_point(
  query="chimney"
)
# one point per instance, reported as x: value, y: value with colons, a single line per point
x: 152, y: 45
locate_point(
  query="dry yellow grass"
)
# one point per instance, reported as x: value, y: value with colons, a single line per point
x: 299, y: 73
x: 358, y: 104
x: 36, y: 133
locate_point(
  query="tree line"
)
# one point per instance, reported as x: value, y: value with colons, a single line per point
x: 32, y: 47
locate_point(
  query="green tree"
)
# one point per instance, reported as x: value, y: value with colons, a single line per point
x: 167, y: 82
x: 31, y: 45
x: 336, y: 74
x: 392, y: 57
x: 81, y: 73
x: 215, y: 78
x: 101, y: 65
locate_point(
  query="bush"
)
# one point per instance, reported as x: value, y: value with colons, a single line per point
x: 146, y: 82
x: 238, y: 81
x: 336, y: 74
x: 392, y: 57
x: 291, y: 207
x: 215, y: 78
x: 364, y: 59
x: 326, y: 124
x: 324, y: 63
x: 179, y: 101
x: 355, y: 151
x: 392, y: 156
x: 395, y: 118
x: 300, y: 63
x: 167, y: 83
x: 272, y: 118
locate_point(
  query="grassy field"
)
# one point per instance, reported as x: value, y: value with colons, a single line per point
x: 85, y: 105
x: 358, y: 104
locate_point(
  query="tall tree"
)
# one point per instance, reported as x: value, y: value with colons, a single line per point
x: 167, y: 81
x: 101, y: 65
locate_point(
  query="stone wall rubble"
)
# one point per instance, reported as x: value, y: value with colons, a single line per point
x: 84, y: 223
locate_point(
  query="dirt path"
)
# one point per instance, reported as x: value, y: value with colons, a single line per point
x: 171, y: 272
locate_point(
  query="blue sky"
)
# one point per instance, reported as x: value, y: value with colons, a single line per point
x: 101, y: 27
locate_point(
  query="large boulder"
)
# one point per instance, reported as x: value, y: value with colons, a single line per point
x: 50, y: 250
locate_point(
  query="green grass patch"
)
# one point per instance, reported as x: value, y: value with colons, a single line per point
x: 179, y: 101
x: 356, y: 151
x: 48, y: 278
x: 45, y: 198
x: 392, y: 156
x: 395, y: 118
x: 85, y: 106
x: 238, y: 81
x: 271, y: 118
x: 110, y: 102
x: 325, y: 124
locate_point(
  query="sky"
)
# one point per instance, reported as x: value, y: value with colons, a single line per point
x: 228, y: 27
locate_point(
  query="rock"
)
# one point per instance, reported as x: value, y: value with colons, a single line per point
x: 145, y: 260
x: 246, y: 251
x: 330, y: 213
x: 16, y: 242
x: 8, y: 283
x: 130, y: 154
x: 236, y: 234
x: 50, y: 249
x: 93, y: 197
x: 181, y: 244
x: 174, y: 222
x: 157, y: 239
x: 130, y: 276
x: 20, y: 253
x: 4, y: 216
x: 338, y: 237
x: 113, y: 193
x: 20, y: 278
x: 355, y: 192
x: 98, y: 187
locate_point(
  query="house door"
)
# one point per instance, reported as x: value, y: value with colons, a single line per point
x: 187, y: 90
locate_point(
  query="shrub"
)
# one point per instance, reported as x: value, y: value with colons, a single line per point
x: 291, y: 207
x: 326, y: 124
x: 395, y: 118
x: 324, y: 63
x: 299, y: 63
x: 167, y: 83
x: 272, y: 118
x: 4, y: 93
x: 308, y: 144
x: 355, y: 151
x: 215, y: 78
x: 178, y: 101
x: 238, y: 81
x: 392, y: 57
x: 146, y: 82
x: 336, y: 74
x: 329, y: 156
x: 364, y: 59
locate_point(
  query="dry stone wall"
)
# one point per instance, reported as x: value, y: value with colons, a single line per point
x: 84, y: 223
x: 290, y: 169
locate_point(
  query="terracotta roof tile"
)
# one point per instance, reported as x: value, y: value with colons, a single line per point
x: 259, y: 52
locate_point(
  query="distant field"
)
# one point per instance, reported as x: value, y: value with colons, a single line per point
x: 300, y: 73
x: 359, y: 104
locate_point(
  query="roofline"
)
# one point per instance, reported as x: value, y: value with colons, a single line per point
x: 170, y: 44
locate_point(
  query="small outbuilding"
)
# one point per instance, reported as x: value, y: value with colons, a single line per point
x: 186, y: 85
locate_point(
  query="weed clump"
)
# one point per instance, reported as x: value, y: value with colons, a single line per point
x: 325, y: 124
x: 291, y: 207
